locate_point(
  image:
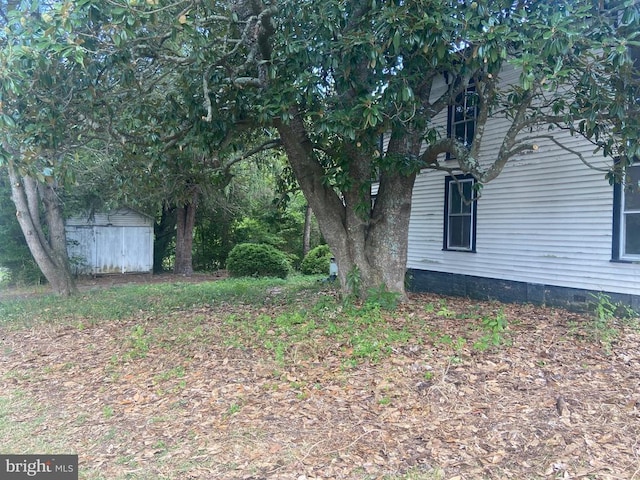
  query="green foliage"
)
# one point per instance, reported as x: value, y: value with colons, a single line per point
x: 257, y: 260
x: 138, y: 343
x: 354, y: 281
x: 382, y: 298
x: 14, y: 253
x: 495, y: 328
x: 5, y: 276
x: 118, y: 302
x: 604, y: 310
x: 316, y: 262
x: 605, y: 314
x: 212, y: 240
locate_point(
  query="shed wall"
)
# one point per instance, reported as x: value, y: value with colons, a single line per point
x: 113, y: 242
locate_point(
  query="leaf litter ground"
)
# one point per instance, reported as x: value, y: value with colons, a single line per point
x: 228, y: 391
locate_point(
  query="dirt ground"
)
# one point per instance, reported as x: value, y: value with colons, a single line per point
x: 550, y: 402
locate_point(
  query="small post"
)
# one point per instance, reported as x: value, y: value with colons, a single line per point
x: 333, y: 269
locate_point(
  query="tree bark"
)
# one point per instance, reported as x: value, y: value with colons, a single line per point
x: 48, y: 250
x: 185, y: 221
x: 306, y: 236
x: 370, y: 250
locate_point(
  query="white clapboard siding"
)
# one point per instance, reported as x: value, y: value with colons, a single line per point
x: 547, y: 219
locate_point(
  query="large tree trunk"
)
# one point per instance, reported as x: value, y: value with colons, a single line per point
x: 185, y: 221
x: 368, y: 242
x: 370, y: 250
x: 48, y: 250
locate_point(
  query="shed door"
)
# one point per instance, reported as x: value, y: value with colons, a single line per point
x: 108, y: 252
x: 137, y: 249
x: 124, y: 249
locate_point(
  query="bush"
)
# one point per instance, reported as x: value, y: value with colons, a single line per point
x: 5, y: 276
x: 257, y: 260
x: 316, y: 261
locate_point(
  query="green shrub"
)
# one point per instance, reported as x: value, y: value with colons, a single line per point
x: 5, y: 276
x: 257, y: 260
x: 316, y: 261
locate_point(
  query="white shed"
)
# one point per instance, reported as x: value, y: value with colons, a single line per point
x: 118, y: 241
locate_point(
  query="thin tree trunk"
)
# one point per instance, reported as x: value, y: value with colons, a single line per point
x: 186, y: 218
x: 49, y: 251
x: 306, y: 238
x: 164, y: 231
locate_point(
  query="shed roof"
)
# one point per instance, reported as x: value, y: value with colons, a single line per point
x: 121, y: 217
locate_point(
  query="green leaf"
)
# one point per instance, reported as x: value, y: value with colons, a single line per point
x: 7, y: 120
x: 396, y: 41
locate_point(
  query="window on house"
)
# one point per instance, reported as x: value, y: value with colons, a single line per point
x: 463, y: 116
x: 460, y: 214
x: 627, y: 216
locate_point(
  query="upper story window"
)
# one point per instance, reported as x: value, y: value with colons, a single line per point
x: 463, y: 115
x: 626, y: 235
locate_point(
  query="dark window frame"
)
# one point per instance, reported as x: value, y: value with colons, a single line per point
x: 457, y: 114
x: 449, y: 183
x: 619, y: 224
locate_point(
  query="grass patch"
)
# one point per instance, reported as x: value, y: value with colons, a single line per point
x: 124, y: 301
x: 23, y: 427
x: 363, y: 332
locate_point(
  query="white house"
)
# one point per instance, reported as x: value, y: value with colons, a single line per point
x: 118, y: 241
x: 548, y: 230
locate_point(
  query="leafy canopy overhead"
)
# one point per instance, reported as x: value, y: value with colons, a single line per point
x: 358, y: 69
x: 183, y: 73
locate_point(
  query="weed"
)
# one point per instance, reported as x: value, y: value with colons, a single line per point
x: 175, y: 372
x: 354, y: 281
x: 331, y: 329
x: 458, y: 347
x: 382, y: 298
x: 419, y: 473
x: 279, y: 349
x: 160, y: 445
x: 455, y: 360
x: 459, y: 344
x: 444, y: 311
x: 604, y: 316
x: 107, y: 411
x: 233, y: 409
x: 494, y: 328
x: 138, y: 343
x: 296, y: 385
x: 604, y: 310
